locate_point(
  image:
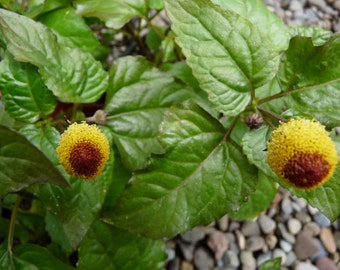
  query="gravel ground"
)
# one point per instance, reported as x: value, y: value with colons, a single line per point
x: 301, y: 235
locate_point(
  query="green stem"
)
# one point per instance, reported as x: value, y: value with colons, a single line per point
x: 11, y: 230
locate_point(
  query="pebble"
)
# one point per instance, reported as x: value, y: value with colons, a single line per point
x: 294, y: 226
x: 291, y: 259
x: 187, y: 266
x: 263, y: 258
x: 218, y: 243
x: 321, y: 220
x: 337, y: 239
x: 223, y: 223
x: 325, y: 263
x: 305, y: 266
x: 286, y: 205
x: 305, y: 246
x: 202, y: 260
x: 312, y: 229
x: 285, y: 234
x: 267, y: 224
x: 303, y: 217
x: 241, y: 240
x: 271, y: 241
x: 285, y: 246
x: 254, y: 243
x: 248, y: 260
x: 187, y: 251
x: 328, y: 239
x: 193, y: 236
x: 250, y: 228
x: 230, y: 259
x: 280, y: 253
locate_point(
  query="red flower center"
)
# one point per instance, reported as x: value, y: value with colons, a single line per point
x: 85, y: 158
x: 306, y: 170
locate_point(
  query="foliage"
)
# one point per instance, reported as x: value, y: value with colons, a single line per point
x: 182, y: 107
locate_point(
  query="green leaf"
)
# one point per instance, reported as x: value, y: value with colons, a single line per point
x: 228, y: 73
x: 314, y: 90
x: 25, y: 96
x: 259, y: 15
x: 72, y: 75
x: 71, y: 28
x: 156, y: 4
x: 114, y: 13
x: 258, y: 201
x: 73, y: 210
x: 35, y: 257
x: 136, y: 99
x: 199, y: 179
x: 22, y: 164
x: 108, y: 248
x: 5, y: 119
x: 319, y: 35
x: 273, y: 264
x: 45, y: 139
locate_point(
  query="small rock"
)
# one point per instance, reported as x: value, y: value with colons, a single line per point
x: 248, y: 260
x: 325, y: 263
x: 271, y: 241
x: 250, y: 228
x: 263, y: 258
x: 286, y: 205
x: 291, y: 258
x: 337, y: 239
x: 175, y: 264
x: 312, y: 229
x: 318, y: 3
x: 295, y: 5
x: 218, y: 243
x: 230, y: 259
x: 303, y: 217
x: 328, y: 239
x: 187, y: 251
x: 233, y: 226
x: 336, y: 4
x: 321, y: 253
x: 223, y: 223
x: 294, y: 226
x: 171, y: 254
x: 193, y: 236
x: 241, y: 241
x: 202, y: 260
x: 254, y: 243
x: 280, y: 253
x: 285, y: 245
x: 285, y: 234
x: 232, y: 242
x: 305, y: 266
x: 187, y: 266
x: 305, y: 246
x: 267, y: 224
x: 322, y: 220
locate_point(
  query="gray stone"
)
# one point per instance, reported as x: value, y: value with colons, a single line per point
x: 285, y: 245
x: 193, y: 236
x: 312, y: 228
x: 250, y: 228
x: 286, y: 206
x: 230, y: 259
x: 321, y: 220
x: 223, y: 223
x: 267, y: 224
x: 303, y: 217
x: 263, y: 258
x: 291, y: 259
x: 202, y: 260
x: 247, y: 260
x: 305, y: 246
x: 254, y: 243
x: 294, y: 226
x: 295, y: 5
x: 336, y: 4
x: 318, y: 3
x: 305, y: 266
x: 285, y: 234
x: 280, y: 253
x: 187, y: 251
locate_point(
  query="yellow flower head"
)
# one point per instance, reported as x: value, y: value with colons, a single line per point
x: 83, y: 150
x: 302, y: 153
